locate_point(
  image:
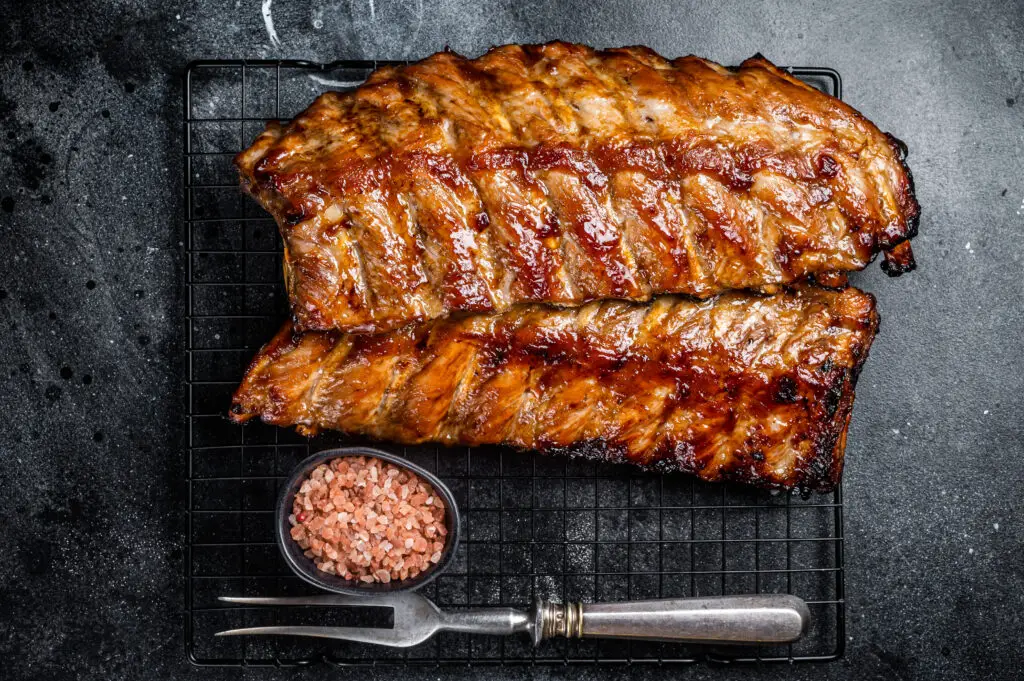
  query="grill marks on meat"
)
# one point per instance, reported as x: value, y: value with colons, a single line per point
x: 561, y: 174
x: 738, y: 387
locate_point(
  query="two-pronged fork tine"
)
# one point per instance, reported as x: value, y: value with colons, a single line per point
x: 359, y: 634
x: 415, y: 618
x: 382, y: 601
x: 383, y: 637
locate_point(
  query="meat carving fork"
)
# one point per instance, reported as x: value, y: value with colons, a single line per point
x: 768, y: 618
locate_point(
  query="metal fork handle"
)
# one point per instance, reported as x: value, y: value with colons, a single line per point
x: 494, y: 621
x: 770, y: 618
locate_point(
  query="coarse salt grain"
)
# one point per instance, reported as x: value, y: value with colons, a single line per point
x: 344, y: 520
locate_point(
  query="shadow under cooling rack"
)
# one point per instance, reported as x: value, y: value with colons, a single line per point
x: 534, y: 525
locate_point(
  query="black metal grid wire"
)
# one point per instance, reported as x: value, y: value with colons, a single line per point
x: 534, y: 525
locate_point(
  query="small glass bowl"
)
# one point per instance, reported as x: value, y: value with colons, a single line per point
x: 307, y: 570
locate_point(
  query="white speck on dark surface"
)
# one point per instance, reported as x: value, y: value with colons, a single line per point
x: 268, y: 22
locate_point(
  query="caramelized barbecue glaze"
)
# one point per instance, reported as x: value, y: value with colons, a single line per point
x: 741, y: 387
x: 561, y: 174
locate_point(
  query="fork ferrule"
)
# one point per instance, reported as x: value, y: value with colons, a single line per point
x: 557, y: 619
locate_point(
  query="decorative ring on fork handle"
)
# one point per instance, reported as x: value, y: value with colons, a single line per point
x: 557, y: 619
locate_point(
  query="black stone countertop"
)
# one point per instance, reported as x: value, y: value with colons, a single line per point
x: 91, y: 269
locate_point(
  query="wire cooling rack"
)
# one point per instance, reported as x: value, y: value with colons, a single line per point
x: 534, y: 525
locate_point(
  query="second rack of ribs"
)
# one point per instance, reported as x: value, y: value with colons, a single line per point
x: 741, y: 387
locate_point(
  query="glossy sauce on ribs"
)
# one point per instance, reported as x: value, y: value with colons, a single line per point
x: 741, y: 387
x: 561, y: 174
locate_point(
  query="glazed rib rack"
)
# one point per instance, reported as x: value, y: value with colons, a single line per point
x: 535, y: 525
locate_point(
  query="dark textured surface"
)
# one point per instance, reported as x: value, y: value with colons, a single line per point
x: 90, y: 215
